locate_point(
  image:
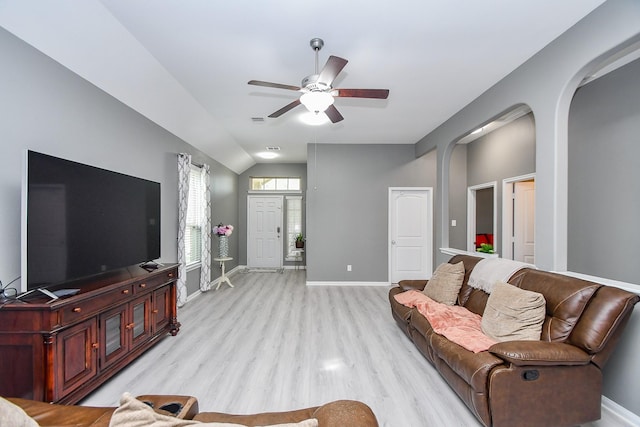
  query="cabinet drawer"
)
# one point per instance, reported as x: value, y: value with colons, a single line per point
x: 152, y: 282
x: 81, y: 309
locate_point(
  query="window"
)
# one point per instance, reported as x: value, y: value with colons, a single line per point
x: 195, y: 215
x: 271, y: 183
x: 294, y: 223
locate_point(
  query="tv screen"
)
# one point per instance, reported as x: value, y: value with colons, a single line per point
x: 82, y: 220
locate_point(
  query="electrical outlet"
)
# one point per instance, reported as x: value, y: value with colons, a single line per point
x: 348, y: 267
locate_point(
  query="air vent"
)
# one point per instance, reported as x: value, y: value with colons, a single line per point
x: 257, y: 119
x: 273, y: 148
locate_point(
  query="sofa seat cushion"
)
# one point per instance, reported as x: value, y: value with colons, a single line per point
x: 454, y: 322
x: 474, y: 368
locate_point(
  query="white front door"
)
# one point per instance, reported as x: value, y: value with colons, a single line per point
x: 410, y: 233
x: 524, y: 221
x: 264, y: 232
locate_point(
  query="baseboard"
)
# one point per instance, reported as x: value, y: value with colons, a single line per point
x: 618, y: 415
x: 317, y: 283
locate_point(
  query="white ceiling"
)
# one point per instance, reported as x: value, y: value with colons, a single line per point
x: 185, y: 64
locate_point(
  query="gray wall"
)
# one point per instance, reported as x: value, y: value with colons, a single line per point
x: 604, y: 203
x: 604, y: 176
x: 457, y: 197
x: 45, y: 107
x: 347, y: 206
x: 547, y: 83
x: 293, y: 170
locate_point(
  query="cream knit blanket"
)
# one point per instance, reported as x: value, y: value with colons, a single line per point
x: 491, y: 270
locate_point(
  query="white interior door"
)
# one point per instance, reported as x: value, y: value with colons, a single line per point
x: 524, y: 221
x: 264, y: 232
x: 410, y: 233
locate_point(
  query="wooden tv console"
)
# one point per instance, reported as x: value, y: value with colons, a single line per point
x: 62, y: 350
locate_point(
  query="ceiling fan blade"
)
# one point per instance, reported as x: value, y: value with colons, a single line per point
x: 331, y: 70
x: 284, y: 109
x: 333, y: 114
x: 273, y: 85
x: 363, y: 93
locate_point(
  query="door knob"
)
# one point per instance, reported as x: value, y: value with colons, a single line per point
x: 393, y: 242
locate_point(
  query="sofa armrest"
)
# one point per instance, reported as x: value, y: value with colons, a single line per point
x: 540, y: 353
x: 407, y: 285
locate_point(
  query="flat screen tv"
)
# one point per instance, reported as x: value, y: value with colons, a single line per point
x: 79, y: 221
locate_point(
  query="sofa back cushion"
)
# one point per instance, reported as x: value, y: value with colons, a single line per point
x: 608, y: 310
x: 467, y: 291
x: 566, y: 298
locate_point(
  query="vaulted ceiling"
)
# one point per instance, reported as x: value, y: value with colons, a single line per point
x: 185, y: 64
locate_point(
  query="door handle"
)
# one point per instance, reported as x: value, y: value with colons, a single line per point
x: 278, y: 230
x: 393, y: 242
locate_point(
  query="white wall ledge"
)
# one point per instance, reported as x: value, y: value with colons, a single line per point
x: 452, y: 251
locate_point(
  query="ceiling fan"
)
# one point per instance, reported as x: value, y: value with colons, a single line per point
x: 317, y: 93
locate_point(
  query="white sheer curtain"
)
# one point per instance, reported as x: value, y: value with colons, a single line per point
x: 184, y: 168
x: 205, y: 269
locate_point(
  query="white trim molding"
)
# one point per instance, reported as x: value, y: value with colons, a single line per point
x: 452, y: 252
x: 615, y: 415
x: 317, y: 283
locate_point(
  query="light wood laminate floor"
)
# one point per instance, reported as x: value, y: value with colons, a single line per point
x: 272, y: 343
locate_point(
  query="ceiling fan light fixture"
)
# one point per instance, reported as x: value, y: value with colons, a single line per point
x: 316, y: 102
x: 313, y: 119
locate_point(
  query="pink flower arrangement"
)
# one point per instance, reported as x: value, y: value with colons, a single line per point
x: 223, y: 230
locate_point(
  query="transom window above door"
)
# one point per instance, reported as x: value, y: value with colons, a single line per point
x: 274, y: 183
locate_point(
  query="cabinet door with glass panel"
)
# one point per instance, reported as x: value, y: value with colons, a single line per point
x: 123, y: 328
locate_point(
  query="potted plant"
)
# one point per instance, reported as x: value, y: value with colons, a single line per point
x: 299, y: 241
x: 486, y: 248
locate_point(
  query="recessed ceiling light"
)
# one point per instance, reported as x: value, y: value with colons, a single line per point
x: 267, y: 155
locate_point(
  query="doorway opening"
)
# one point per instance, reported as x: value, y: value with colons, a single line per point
x: 482, y: 219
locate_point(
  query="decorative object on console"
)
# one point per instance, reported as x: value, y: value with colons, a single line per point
x: 300, y: 241
x: 223, y: 232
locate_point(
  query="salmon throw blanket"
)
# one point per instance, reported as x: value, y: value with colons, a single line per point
x: 452, y: 321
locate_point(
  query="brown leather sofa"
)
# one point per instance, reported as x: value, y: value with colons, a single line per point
x: 556, y: 381
x: 339, y: 413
